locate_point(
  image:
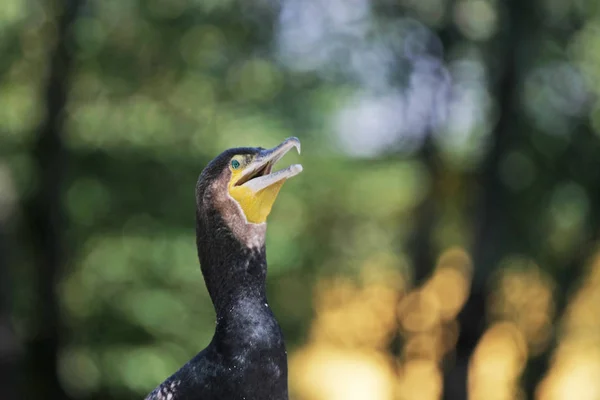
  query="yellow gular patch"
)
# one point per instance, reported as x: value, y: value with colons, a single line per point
x: 256, y: 205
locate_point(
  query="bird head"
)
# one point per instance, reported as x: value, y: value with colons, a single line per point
x: 242, y: 187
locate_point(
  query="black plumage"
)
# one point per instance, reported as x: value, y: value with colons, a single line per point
x: 246, y: 358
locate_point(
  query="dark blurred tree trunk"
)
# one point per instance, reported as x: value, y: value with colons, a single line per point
x: 494, y: 226
x: 45, y: 213
x: 10, y: 350
x: 419, y: 244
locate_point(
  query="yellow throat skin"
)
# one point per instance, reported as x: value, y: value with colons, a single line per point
x: 255, y: 205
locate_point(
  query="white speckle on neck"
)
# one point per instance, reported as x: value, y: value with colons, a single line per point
x: 253, y: 317
x: 167, y: 391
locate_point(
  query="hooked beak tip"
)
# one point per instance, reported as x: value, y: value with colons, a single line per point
x: 296, y: 143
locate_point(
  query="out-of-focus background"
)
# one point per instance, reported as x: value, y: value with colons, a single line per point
x: 440, y: 244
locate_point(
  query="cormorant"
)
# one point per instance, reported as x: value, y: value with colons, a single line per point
x: 246, y: 358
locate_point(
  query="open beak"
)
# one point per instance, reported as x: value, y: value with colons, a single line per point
x: 258, y: 176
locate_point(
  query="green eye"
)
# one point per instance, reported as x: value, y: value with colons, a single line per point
x: 235, y: 164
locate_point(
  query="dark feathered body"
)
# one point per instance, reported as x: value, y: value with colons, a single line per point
x: 246, y: 358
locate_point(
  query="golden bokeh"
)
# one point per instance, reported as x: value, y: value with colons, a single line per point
x: 451, y: 287
x: 325, y: 372
x: 424, y: 346
x: 523, y: 294
x: 427, y: 314
x: 354, y: 316
x: 346, y: 357
x: 356, y: 320
x: 450, y: 282
x: 497, y: 363
x: 574, y: 373
x: 419, y: 380
x: 575, y: 366
x: 419, y: 311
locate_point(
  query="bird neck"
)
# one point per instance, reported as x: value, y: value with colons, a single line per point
x: 234, y: 274
x: 243, y: 285
x: 235, y: 277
